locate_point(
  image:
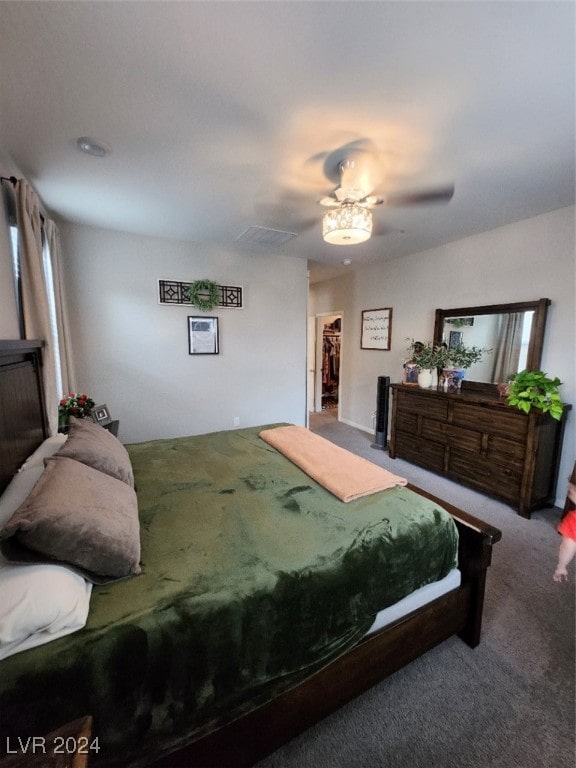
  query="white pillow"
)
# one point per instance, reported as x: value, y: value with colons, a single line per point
x: 17, y: 491
x: 39, y: 603
x: 48, y: 448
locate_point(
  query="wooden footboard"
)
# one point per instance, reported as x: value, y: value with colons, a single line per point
x: 250, y: 738
x: 476, y: 539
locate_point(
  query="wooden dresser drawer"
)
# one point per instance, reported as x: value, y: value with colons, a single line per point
x: 503, y: 451
x: 450, y: 434
x: 407, y: 422
x: 427, y: 406
x: 492, y: 420
x: 418, y: 451
x: 484, y: 473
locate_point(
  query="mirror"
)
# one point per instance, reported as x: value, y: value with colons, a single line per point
x: 514, y: 332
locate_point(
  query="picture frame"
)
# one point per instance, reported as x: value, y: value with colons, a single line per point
x: 203, y: 335
x: 376, y: 328
x: 410, y: 375
x: 101, y: 415
x: 455, y: 339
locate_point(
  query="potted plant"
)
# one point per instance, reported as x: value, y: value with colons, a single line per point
x: 462, y: 357
x: 428, y: 357
x: 535, y: 389
x: 77, y: 405
x: 458, y: 359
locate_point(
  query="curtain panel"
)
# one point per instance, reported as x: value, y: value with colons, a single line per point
x: 36, y: 291
x: 66, y: 363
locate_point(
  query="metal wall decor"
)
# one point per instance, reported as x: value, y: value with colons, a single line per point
x: 174, y: 292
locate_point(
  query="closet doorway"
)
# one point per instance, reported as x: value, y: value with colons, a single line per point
x: 328, y: 388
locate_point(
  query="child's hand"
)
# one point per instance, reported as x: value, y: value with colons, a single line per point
x: 560, y: 574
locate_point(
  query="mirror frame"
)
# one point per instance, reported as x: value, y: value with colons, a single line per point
x: 535, y: 346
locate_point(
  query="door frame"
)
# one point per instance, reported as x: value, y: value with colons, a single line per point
x: 315, y: 369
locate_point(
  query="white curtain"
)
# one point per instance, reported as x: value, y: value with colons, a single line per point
x: 507, y: 351
x: 64, y: 360
x: 36, y: 289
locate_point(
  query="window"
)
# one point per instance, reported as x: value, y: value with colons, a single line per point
x: 49, y: 277
x: 10, y: 207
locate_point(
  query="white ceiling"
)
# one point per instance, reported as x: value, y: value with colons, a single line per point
x: 226, y: 115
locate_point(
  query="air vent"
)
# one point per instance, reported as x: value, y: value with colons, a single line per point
x: 265, y: 237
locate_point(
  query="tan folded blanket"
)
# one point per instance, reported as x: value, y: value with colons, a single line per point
x: 342, y: 473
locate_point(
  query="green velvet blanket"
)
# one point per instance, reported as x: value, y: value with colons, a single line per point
x: 253, y: 577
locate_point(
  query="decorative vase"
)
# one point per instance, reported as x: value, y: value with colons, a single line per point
x: 453, y: 379
x: 427, y: 378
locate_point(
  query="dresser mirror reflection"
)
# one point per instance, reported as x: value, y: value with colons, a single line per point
x: 514, y: 332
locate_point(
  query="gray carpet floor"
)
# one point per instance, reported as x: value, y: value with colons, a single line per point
x: 509, y: 703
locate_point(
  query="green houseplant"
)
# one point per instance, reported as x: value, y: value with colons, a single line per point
x: 427, y: 358
x: 427, y: 355
x: 458, y: 359
x: 535, y: 389
x: 463, y: 356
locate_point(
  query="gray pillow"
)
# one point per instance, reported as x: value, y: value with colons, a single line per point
x: 78, y: 516
x: 93, y: 445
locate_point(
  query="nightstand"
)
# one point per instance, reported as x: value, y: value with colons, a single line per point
x: 113, y: 427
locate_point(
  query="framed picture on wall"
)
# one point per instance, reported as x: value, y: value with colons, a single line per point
x: 376, y: 328
x: 203, y: 337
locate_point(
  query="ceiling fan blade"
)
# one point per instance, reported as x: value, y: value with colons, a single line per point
x: 421, y: 197
x: 329, y: 202
x: 286, y: 218
x: 305, y: 224
x: 383, y: 229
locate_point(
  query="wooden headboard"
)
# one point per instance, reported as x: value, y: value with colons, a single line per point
x: 23, y: 424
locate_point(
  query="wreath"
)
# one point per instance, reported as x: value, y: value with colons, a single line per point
x: 204, y: 294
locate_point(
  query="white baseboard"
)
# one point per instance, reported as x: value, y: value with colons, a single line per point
x: 358, y: 426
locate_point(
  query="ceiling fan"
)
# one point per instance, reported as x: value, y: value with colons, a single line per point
x: 356, y: 168
x: 350, y: 219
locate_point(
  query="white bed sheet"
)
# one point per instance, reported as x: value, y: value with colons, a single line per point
x: 416, y: 600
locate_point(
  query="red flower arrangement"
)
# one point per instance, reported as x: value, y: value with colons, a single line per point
x: 76, y: 405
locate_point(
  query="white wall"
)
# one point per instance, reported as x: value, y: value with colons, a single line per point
x: 132, y: 353
x: 520, y: 262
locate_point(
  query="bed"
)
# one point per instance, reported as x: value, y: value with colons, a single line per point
x: 254, y: 610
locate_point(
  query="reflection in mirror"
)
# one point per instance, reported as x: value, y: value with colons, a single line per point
x: 514, y: 333
x: 506, y: 335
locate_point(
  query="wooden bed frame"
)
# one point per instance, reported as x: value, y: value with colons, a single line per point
x: 250, y: 738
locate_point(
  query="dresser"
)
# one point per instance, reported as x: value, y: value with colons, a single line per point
x: 478, y: 440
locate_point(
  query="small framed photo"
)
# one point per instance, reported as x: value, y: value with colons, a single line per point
x: 101, y: 415
x: 203, y: 337
x: 455, y: 339
x: 376, y: 328
x: 411, y: 372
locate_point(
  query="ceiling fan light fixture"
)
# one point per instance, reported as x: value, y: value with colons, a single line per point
x: 348, y: 224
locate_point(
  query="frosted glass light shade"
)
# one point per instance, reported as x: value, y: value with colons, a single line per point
x: 347, y: 225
